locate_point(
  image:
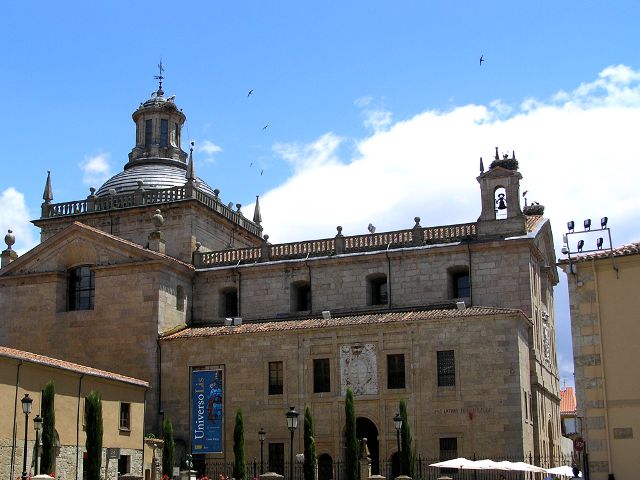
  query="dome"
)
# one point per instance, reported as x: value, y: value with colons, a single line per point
x: 155, y: 176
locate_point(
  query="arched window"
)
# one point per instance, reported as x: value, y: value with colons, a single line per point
x: 81, y: 291
x: 500, y: 202
x: 229, y: 302
x: 377, y: 293
x: 300, y: 296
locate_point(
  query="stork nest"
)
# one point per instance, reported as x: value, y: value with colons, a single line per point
x: 508, y: 163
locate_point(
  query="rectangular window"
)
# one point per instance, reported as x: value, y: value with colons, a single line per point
x: 526, y: 409
x: 395, y: 371
x: 448, y: 448
x: 275, y: 378
x: 148, y: 132
x: 303, y: 297
x: 164, y: 132
x: 125, y: 416
x: 276, y: 458
x: 81, y: 288
x: 230, y: 303
x: 446, y: 368
x: 321, y: 375
x: 176, y: 132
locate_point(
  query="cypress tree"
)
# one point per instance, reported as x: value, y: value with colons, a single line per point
x: 406, y: 458
x: 350, y: 439
x: 93, y: 423
x: 168, y: 448
x: 48, y: 429
x: 310, y: 460
x: 239, y: 465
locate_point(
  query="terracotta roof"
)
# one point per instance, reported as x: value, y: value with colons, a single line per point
x: 338, y: 321
x: 533, y: 221
x: 73, y: 367
x: 628, y: 249
x: 567, y: 401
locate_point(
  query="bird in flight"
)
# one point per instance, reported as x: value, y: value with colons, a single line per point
x: 250, y: 92
x: 481, y: 59
x: 261, y: 172
x: 265, y: 127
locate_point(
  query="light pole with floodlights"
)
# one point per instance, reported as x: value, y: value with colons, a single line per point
x: 26, y: 409
x: 292, y: 424
x: 261, y: 436
x: 397, y: 423
x: 37, y: 426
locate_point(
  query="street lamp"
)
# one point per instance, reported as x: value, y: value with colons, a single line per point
x: 26, y: 409
x: 261, y: 435
x: 397, y: 423
x: 292, y: 424
x: 37, y: 425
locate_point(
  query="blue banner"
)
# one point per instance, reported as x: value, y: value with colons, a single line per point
x: 206, y: 411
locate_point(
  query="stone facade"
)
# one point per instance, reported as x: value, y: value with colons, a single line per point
x: 604, y: 327
x: 155, y: 303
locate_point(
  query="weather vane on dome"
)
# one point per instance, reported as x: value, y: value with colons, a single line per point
x: 160, y: 77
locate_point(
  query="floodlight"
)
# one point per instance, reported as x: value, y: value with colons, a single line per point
x: 587, y: 224
x: 599, y: 243
x: 603, y: 222
x: 580, y: 245
x: 570, y: 226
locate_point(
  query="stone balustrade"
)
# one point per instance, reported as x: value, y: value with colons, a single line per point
x: 338, y: 245
x: 141, y: 197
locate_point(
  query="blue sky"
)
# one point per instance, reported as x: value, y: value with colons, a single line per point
x: 377, y: 111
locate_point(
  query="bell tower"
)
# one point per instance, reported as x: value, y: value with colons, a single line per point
x: 500, y: 195
x: 158, y: 130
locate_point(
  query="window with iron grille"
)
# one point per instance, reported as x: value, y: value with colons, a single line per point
x: 446, y: 368
x: 81, y: 288
x: 395, y: 371
x: 275, y: 378
x: 321, y: 375
x: 448, y: 448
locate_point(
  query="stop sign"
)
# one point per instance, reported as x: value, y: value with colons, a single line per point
x: 578, y: 444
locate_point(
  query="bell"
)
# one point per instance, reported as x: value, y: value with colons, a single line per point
x: 501, y: 203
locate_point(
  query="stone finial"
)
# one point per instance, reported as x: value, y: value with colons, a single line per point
x: 257, y: 216
x: 191, y: 172
x: 266, y: 238
x: 417, y: 220
x: 238, y: 206
x: 497, y: 157
x: 265, y: 250
x: 339, y: 229
x: 339, y: 241
x: 47, y: 196
x: 216, y: 192
x: 9, y: 239
x: 8, y: 255
x: 198, y: 246
x: 158, y: 219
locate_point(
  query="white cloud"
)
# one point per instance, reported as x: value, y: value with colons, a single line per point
x: 209, y: 149
x: 15, y: 216
x: 96, y: 169
x: 375, y: 116
x: 577, y: 151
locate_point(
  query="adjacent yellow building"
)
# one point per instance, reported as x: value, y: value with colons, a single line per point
x: 123, y: 403
x: 605, y: 301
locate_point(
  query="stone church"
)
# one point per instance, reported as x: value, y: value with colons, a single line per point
x: 155, y: 277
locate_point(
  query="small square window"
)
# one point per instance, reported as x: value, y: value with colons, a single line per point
x: 321, y: 375
x: 448, y: 448
x: 276, y: 378
x: 125, y: 416
x: 395, y: 371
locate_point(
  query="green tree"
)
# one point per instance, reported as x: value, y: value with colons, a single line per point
x: 407, y: 464
x: 239, y: 465
x: 48, y: 429
x: 310, y: 459
x: 168, y: 448
x: 350, y: 439
x: 94, y: 430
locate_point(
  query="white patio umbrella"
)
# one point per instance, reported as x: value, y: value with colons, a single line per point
x: 565, y: 471
x: 491, y: 465
x: 526, y: 467
x: 459, y: 463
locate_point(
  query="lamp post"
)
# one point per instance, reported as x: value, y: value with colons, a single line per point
x: 26, y: 409
x: 292, y: 424
x: 397, y: 423
x: 261, y: 435
x: 37, y: 425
